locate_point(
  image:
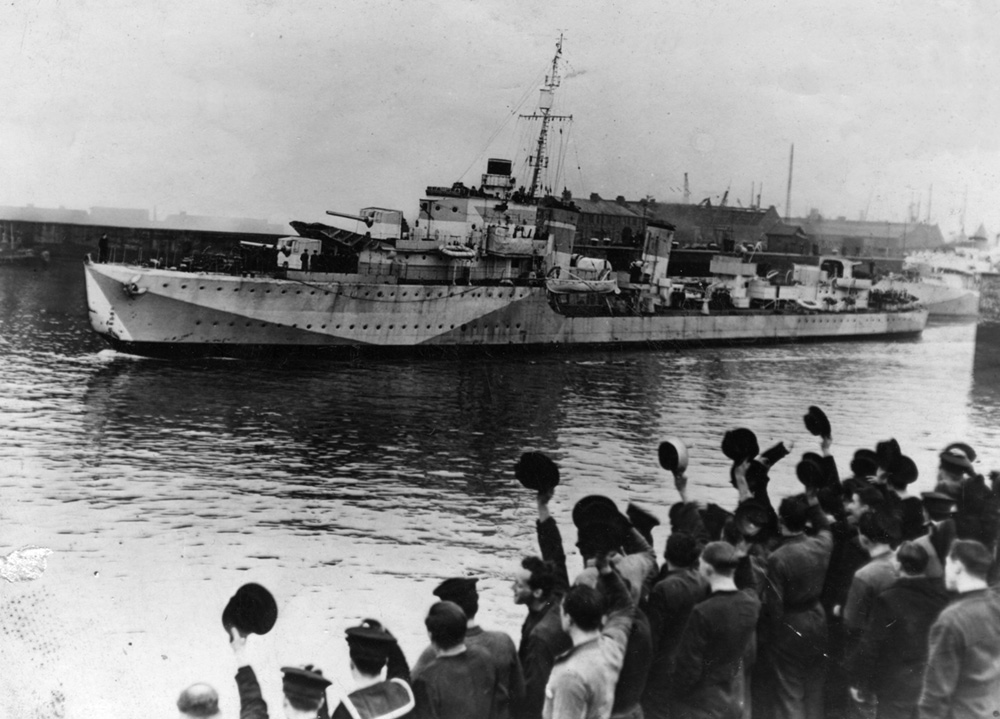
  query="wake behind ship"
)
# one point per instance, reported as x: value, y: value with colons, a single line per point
x: 483, y: 267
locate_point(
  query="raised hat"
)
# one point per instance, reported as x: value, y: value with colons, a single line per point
x: 740, y: 444
x: 816, y: 422
x: 673, y: 455
x: 752, y: 511
x: 905, y: 470
x: 968, y: 451
x: 886, y: 453
x: 252, y: 610
x: 864, y: 463
x: 536, y: 471
x: 956, y: 459
x: 370, y: 641
x: 810, y: 471
x: 770, y: 456
x: 306, y: 683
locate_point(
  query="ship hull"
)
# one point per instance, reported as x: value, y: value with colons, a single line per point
x: 173, y: 314
x: 941, y: 300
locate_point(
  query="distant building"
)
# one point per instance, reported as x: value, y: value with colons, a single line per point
x: 723, y: 228
x: 789, y: 239
x: 860, y: 238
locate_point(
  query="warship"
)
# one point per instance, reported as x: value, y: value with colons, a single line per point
x: 490, y: 266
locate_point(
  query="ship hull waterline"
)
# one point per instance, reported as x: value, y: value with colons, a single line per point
x: 186, y: 315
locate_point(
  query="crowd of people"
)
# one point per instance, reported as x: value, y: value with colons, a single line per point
x: 851, y: 599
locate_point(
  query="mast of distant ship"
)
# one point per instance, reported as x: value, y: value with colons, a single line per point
x: 540, y: 158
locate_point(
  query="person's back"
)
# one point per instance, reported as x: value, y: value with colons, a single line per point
x: 709, y: 671
x: 457, y: 686
x: 962, y: 678
x: 670, y: 604
x: 582, y: 683
x: 498, y: 645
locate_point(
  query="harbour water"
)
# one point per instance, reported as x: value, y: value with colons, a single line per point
x: 351, y: 489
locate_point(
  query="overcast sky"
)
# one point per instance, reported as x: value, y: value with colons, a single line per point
x: 281, y: 110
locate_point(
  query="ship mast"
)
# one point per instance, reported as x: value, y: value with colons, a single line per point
x: 540, y: 159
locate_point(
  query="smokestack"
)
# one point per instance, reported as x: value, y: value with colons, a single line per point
x: 788, y: 196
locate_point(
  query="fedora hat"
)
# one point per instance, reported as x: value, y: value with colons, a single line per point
x: 810, y: 471
x: 536, y: 471
x: 673, y: 455
x: 816, y: 422
x: 740, y: 444
x: 252, y: 610
x: 905, y: 470
x: 886, y: 453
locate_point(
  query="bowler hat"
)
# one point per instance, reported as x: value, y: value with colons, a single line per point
x: 816, y: 422
x: 252, y: 610
x: 536, y: 471
x: 886, y: 453
x: 810, y: 471
x: 673, y: 455
x: 740, y: 444
x: 864, y: 463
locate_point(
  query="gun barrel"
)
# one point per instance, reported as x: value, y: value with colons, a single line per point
x: 359, y: 218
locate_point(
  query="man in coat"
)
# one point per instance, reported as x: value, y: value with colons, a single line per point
x: 461, y: 682
x: 717, y: 644
x: 962, y: 679
x: 462, y: 591
x: 892, y: 652
x: 670, y: 604
x: 539, y: 584
x: 794, y: 623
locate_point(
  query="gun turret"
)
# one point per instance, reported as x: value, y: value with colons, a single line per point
x: 367, y: 220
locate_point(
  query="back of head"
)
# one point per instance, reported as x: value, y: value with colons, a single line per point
x: 543, y: 574
x: 304, y: 687
x: 794, y: 512
x: 446, y: 623
x: 722, y: 557
x: 585, y: 606
x: 975, y: 557
x: 462, y: 591
x: 682, y: 550
x: 198, y: 700
x: 879, y: 527
x: 912, y: 558
x: 369, y: 646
